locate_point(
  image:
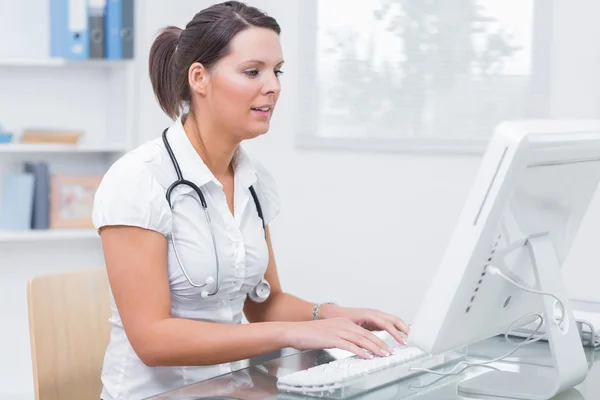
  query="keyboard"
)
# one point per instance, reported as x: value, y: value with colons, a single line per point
x: 349, y: 376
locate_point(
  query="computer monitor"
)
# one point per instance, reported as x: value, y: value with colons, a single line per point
x: 532, y: 191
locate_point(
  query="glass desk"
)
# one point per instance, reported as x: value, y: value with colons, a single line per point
x: 259, y: 381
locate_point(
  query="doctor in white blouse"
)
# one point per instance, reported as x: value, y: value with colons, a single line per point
x: 219, y: 80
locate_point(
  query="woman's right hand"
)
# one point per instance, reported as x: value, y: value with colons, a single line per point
x: 339, y: 333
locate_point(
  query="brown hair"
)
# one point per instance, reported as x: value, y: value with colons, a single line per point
x: 205, y: 39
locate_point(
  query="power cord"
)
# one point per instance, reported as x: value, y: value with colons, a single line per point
x: 493, y: 270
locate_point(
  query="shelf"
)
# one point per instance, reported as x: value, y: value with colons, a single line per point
x: 58, y: 62
x: 47, y: 235
x: 58, y: 148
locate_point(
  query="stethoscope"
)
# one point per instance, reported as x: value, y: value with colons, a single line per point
x: 261, y: 291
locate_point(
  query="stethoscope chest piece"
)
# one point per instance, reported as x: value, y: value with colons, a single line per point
x: 260, y: 292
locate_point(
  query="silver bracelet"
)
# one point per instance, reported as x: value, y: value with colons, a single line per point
x: 316, y: 309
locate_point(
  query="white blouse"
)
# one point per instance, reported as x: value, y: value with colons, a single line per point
x: 133, y: 192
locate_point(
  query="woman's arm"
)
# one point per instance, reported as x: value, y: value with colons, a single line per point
x: 135, y: 262
x: 136, y: 265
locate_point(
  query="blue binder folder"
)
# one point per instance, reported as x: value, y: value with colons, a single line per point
x: 69, y: 29
x: 16, y: 204
x: 119, y: 29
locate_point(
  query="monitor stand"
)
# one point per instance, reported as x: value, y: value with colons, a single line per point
x: 565, y: 344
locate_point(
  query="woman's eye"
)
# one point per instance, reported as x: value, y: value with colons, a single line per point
x: 251, y: 72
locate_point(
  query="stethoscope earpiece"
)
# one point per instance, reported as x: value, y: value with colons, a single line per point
x: 210, y: 280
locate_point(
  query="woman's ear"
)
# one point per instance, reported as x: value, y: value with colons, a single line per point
x: 198, y: 78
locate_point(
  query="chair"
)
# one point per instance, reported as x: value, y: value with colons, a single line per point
x: 69, y: 331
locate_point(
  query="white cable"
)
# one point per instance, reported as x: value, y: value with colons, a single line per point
x: 496, y: 271
x: 493, y: 270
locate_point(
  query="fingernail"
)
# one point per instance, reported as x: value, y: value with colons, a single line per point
x: 385, y: 352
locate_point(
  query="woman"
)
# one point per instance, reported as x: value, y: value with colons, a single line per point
x: 181, y: 279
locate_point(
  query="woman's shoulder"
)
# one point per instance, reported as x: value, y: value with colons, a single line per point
x: 147, y: 161
x: 140, y: 158
x: 139, y: 173
x: 130, y: 192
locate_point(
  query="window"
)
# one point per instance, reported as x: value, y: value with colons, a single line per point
x: 429, y: 74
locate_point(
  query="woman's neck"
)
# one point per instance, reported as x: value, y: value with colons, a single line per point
x: 216, y: 152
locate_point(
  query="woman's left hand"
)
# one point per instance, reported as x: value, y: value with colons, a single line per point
x: 373, y: 320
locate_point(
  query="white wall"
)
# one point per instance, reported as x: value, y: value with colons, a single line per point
x: 364, y: 229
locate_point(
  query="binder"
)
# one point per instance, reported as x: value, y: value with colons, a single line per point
x: 17, y: 201
x: 58, y: 28
x: 69, y: 32
x: 97, y: 23
x: 41, y: 194
x: 119, y: 29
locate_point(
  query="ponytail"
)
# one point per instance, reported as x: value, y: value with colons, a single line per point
x: 162, y: 70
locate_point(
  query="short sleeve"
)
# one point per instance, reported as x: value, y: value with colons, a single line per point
x: 267, y: 192
x: 130, y: 195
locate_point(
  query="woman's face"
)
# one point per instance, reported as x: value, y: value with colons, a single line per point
x: 243, y: 87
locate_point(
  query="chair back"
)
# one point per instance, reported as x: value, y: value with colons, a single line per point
x: 69, y: 331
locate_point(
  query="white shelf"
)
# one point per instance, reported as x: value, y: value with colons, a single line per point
x: 58, y: 148
x: 14, y: 396
x: 47, y: 235
x: 59, y: 62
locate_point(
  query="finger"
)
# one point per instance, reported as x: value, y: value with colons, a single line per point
x: 366, y: 343
x: 376, y: 339
x: 352, y: 348
x: 371, y: 336
x: 399, y: 324
x: 390, y: 328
